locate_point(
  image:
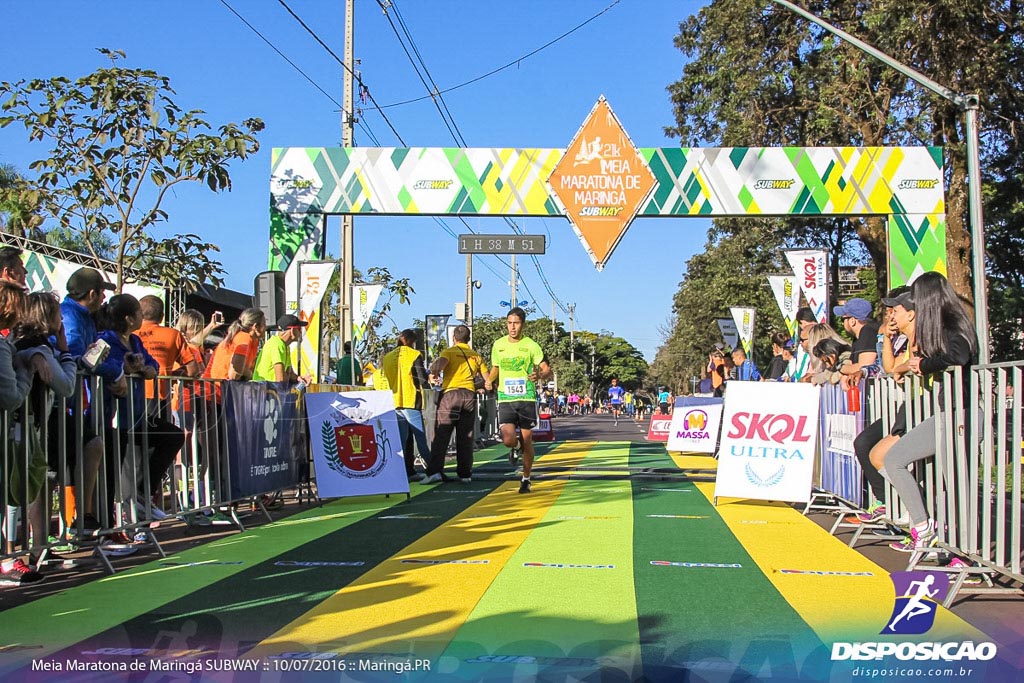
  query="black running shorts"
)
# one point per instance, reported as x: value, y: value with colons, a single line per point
x: 522, y: 414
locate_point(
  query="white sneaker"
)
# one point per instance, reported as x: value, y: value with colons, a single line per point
x: 432, y: 479
x: 418, y: 476
x: 466, y: 480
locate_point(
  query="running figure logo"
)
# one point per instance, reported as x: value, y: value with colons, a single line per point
x: 918, y: 595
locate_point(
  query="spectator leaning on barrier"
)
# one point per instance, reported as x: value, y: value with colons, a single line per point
x: 945, y: 338
x: 407, y: 378
x: 55, y: 371
x: 274, y: 362
x: 15, y: 383
x: 857, y: 321
x: 166, y: 344
x: 746, y: 371
x: 235, y: 357
x: 86, y: 291
x: 871, y: 445
x: 815, y: 372
x: 457, y: 409
x: 120, y: 318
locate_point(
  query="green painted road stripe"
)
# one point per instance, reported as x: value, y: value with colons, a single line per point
x: 700, y: 607
x: 547, y: 612
x: 56, y: 622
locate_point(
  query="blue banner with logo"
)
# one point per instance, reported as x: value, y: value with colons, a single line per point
x: 266, y: 436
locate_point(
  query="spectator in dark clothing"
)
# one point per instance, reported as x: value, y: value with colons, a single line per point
x: 778, y: 365
x: 864, y: 362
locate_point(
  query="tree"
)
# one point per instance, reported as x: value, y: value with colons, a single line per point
x: 119, y: 145
x: 732, y: 271
x: 757, y: 77
x: 19, y: 203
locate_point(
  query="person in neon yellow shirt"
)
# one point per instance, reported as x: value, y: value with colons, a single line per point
x: 274, y: 362
x: 520, y: 363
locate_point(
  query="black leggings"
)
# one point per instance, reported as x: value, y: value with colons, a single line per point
x: 862, y: 446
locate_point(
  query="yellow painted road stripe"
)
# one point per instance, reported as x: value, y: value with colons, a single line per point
x: 417, y: 600
x: 838, y: 607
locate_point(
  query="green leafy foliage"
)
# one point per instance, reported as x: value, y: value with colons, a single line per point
x: 119, y: 144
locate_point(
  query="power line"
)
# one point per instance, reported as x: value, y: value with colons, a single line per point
x: 363, y: 88
x: 514, y: 62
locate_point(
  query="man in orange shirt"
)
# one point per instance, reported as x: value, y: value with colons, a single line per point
x: 166, y: 344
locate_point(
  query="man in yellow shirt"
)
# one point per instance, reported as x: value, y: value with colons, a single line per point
x: 457, y: 409
x: 407, y: 378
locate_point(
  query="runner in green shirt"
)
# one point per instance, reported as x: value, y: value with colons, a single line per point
x: 520, y: 363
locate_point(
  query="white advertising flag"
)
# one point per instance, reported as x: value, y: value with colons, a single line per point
x: 811, y: 269
x: 787, y: 295
x: 356, y: 447
x: 730, y: 335
x: 769, y: 438
x: 744, y: 318
x: 364, y: 305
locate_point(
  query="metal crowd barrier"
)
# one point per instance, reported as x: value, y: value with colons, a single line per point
x: 973, y: 486
x: 39, y: 464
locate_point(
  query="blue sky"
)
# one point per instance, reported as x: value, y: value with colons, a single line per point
x: 218, y: 64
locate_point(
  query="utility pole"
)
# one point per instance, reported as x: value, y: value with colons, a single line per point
x: 969, y: 104
x: 572, y: 333
x: 553, y: 339
x: 347, y: 140
x: 515, y: 276
x: 469, y: 291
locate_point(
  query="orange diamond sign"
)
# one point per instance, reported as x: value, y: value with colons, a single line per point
x: 601, y: 181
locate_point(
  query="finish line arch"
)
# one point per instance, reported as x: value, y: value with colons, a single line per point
x: 903, y: 184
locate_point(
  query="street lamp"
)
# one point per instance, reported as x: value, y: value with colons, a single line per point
x: 969, y: 105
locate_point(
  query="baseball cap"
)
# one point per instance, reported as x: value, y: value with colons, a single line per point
x: 84, y: 280
x: 857, y: 308
x: 905, y: 300
x: 289, y: 320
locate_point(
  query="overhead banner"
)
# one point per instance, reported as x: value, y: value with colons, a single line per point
x: 730, y: 335
x: 905, y: 183
x: 266, y: 439
x: 364, y: 306
x: 314, y: 279
x: 744, y: 319
x: 356, y: 447
x: 787, y: 296
x: 811, y: 269
x: 695, y: 424
x: 769, y: 435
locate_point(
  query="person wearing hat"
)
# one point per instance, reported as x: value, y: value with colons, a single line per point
x: 857, y: 321
x: 274, y: 362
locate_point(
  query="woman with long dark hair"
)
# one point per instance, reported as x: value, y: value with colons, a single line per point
x: 120, y: 318
x: 945, y: 338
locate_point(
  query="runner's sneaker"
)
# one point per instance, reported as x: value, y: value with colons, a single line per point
x: 432, y: 478
x: 19, y: 574
x: 918, y: 541
x: 524, y: 487
x: 466, y: 480
x: 417, y: 476
x: 875, y: 512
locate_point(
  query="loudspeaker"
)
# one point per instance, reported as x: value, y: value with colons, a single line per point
x: 268, y: 294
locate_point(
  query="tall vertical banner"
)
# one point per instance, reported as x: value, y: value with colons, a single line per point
x: 356, y: 447
x: 436, y: 325
x: 769, y: 435
x: 811, y: 269
x: 787, y: 296
x: 364, y: 306
x: 313, y: 281
x: 730, y: 335
x: 744, y: 318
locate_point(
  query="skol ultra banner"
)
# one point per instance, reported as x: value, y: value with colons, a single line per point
x: 364, y: 306
x: 769, y: 435
x: 811, y: 269
x: 357, y: 450
x: 266, y: 441
x: 313, y: 281
x: 744, y: 318
x: 730, y: 335
x: 787, y: 296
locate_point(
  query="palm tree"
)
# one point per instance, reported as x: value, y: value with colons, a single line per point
x: 19, y: 209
